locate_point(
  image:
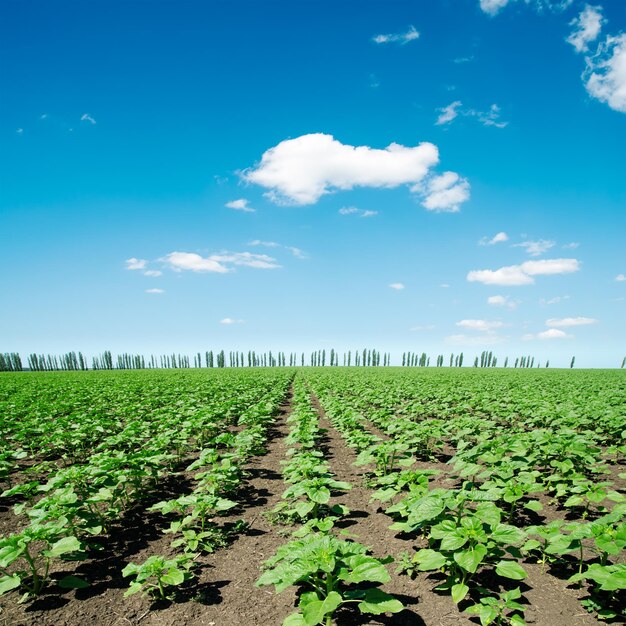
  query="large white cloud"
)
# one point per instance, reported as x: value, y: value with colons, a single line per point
x: 300, y: 171
x: 515, y: 275
x: 218, y: 263
x: 568, y: 322
x: 587, y: 27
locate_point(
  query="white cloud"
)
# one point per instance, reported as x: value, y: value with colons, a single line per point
x: 464, y: 59
x: 19, y: 131
x: 553, y: 333
x: 503, y: 301
x: 535, y: 248
x: 218, y: 263
x: 514, y: 275
x: 447, y: 114
x: 492, y: 7
x: 402, y: 38
x: 444, y: 285
x: 480, y: 325
x: 605, y: 74
x: 445, y: 192
x: 240, y: 205
x: 136, y: 264
x: 587, y: 28
x: 554, y: 300
x: 486, y: 339
x: 228, y: 321
x: 87, y: 118
x: 300, y: 171
x: 155, y: 290
x: 568, y: 322
x: 153, y: 273
x: 497, y: 238
x: 491, y: 117
x: 620, y: 278
x: 352, y: 210
x: 297, y: 252
x: 397, y: 286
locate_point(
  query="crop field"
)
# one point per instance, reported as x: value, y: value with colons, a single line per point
x: 303, y: 496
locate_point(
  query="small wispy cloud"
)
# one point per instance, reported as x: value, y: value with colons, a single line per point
x: 555, y: 300
x: 460, y: 60
x: 352, y: 210
x: 19, y: 131
x: 297, y: 252
x: 448, y: 113
x: 240, y: 205
x: 500, y: 237
x: 85, y: 117
x: 229, y: 321
x: 535, y: 248
x: 502, y: 301
x: 490, y: 117
x: 620, y: 278
x: 568, y: 322
x: 480, y: 325
x: 571, y: 246
x: 155, y: 291
x: 397, y: 286
x: 153, y: 273
x: 402, y: 38
x: 218, y: 263
x: 552, y: 333
x: 136, y: 264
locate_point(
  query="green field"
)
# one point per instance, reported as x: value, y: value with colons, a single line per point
x: 387, y: 495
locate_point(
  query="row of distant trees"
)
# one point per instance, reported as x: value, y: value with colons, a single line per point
x: 74, y: 361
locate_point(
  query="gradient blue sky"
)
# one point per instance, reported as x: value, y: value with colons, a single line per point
x: 127, y: 127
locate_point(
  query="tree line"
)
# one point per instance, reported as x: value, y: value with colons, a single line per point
x: 367, y: 357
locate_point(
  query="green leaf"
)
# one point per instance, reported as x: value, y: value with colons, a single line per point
x: 503, y: 533
x: 426, y: 508
x: 453, y: 541
x: 295, y: 619
x: 314, y: 612
x: 510, y: 569
x: 366, y: 569
x: 376, y: 601
x: 487, y: 614
x: 459, y: 592
x: 63, y: 546
x: 470, y: 559
x: 9, y: 554
x: 9, y: 582
x: 174, y: 577
x: 429, y: 560
x: 73, y: 582
x: 533, y: 505
x: 517, y: 620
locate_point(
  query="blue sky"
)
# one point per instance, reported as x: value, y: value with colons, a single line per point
x: 127, y: 128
